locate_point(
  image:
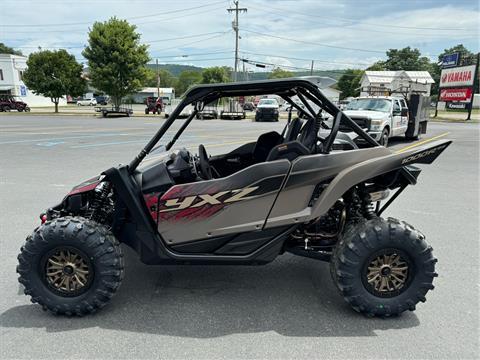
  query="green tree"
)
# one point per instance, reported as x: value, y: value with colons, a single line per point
x: 407, y: 59
x: 278, y: 73
x: 4, y: 49
x: 216, y: 74
x: 54, y: 74
x: 186, y: 79
x: 349, y: 83
x: 166, y: 78
x: 377, y: 66
x: 116, y: 59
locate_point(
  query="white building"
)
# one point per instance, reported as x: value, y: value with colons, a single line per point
x: 12, y: 68
x: 167, y: 94
x: 332, y: 94
x: 414, y: 81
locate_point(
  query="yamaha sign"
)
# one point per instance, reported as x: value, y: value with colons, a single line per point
x: 458, y: 76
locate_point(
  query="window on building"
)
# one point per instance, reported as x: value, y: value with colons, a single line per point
x: 20, y: 75
x: 1, y: 74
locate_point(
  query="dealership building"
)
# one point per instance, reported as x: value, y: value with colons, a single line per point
x: 12, y: 68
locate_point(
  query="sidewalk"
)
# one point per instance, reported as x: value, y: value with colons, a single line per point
x: 451, y: 116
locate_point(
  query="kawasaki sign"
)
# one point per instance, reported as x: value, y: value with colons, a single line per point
x: 458, y: 76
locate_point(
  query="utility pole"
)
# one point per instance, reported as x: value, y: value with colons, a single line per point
x: 311, y: 68
x: 474, y: 86
x: 235, y: 28
x: 158, y: 80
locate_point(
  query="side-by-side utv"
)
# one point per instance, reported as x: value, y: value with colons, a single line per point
x: 308, y: 190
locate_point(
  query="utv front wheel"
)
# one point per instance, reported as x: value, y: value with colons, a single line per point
x: 71, y: 266
x: 383, y: 267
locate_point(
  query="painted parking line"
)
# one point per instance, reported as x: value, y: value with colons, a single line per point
x: 56, y: 139
x: 50, y: 143
x: 70, y: 131
x: 418, y: 143
x: 114, y: 143
x: 108, y: 144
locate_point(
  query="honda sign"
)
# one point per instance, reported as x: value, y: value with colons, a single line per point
x: 463, y: 94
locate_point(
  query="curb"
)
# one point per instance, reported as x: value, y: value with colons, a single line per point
x: 461, y: 121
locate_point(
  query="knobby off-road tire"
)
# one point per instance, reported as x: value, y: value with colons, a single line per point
x: 94, y: 254
x: 367, y: 241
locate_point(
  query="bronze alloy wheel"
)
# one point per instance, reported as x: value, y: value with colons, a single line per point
x: 387, y: 273
x: 68, y: 271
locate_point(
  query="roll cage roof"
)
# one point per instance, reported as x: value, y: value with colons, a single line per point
x: 305, y: 88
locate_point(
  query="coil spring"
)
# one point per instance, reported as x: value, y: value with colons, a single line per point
x: 101, y: 193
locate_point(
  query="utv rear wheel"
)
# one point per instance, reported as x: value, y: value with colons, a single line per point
x: 383, y: 267
x: 71, y: 266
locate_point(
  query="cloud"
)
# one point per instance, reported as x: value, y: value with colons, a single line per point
x: 342, y: 23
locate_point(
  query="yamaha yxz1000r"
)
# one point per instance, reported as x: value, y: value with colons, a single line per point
x: 309, y: 191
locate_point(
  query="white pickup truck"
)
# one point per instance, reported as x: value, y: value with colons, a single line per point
x: 382, y: 116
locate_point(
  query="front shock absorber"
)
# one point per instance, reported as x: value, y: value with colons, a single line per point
x: 100, y: 195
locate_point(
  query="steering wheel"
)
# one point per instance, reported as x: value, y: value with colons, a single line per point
x: 204, y: 166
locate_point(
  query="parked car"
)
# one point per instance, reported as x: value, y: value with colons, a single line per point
x: 9, y: 102
x: 209, y: 112
x: 102, y: 100
x: 342, y: 104
x: 186, y: 111
x: 250, y: 106
x: 87, y: 102
x: 267, y: 110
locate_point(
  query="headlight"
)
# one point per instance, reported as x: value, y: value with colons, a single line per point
x: 376, y: 122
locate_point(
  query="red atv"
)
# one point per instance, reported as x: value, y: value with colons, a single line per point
x: 8, y: 103
x: 153, y: 105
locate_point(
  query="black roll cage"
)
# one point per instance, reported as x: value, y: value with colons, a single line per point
x: 304, y: 88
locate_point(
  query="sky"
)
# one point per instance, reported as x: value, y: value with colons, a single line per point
x: 335, y: 34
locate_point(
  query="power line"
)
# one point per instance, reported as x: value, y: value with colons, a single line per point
x: 211, y: 59
x: 304, y: 59
x: 354, y: 21
x: 195, y: 54
x: 83, y: 30
x: 185, y: 37
x: 218, y: 33
x: 128, y: 18
x: 314, y: 43
x: 193, y: 42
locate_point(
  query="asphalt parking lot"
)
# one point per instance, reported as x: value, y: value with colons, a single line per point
x: 287, y: 309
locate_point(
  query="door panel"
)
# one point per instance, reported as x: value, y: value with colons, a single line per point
x: 396, y: 118
x: 237, y: 203
x: 308, y: 171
